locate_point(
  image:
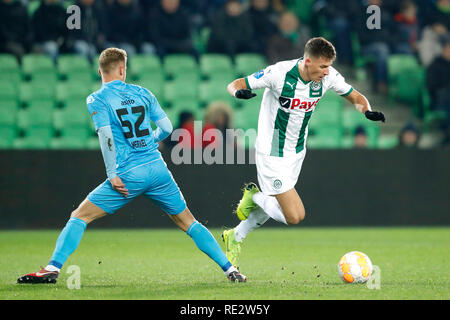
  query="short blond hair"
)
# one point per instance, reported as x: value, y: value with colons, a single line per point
x: 110, y: 58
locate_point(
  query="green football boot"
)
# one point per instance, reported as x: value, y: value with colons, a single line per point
x: 246, y: 205
x: 232, y: 247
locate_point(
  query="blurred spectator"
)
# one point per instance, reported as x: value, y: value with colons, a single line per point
x: 339, y: 16
x: 14, y: 28
x: 218, y: 115
x: 360, y: 138
x: 88, y: 40
x: 289, y: 42
x: 49, y: 28
x: 409, y: 136
x: 438, y: 84
x: 437, y: 11
x: 170, y: 29
x: 124, y: 26
x: 406, y: 28
x: 185, y: 122
x: 430, y: 45
x: 264, y: 23
x: 231, y: 30
x: 375, y: 43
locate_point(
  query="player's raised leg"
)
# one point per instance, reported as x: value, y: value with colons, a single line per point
x: 66, y: 243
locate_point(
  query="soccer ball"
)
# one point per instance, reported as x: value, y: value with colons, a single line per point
x: 355, y: 267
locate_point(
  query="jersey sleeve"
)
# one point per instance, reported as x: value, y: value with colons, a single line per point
x: 98, y: 111
x: 339, y: 85
x: 265, y: 78
x: 155, y: 111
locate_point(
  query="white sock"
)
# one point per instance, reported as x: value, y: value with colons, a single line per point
x: 270, y: 206
x: 51, y: 268
x: 255, y: 219
x: 230, y: 269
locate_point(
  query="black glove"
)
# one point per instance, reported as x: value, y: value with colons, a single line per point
x: 374, y: 115
x: 244, y: 94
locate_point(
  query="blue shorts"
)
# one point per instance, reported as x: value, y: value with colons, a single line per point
x: 153, y: 180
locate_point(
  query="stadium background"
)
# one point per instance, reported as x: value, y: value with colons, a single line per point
x: 50, y: 157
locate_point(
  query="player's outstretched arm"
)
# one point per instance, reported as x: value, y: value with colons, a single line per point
x: 362, y: 105
x: 238, y: 88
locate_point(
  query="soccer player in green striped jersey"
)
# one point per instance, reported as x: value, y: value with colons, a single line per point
x: 292, y: 90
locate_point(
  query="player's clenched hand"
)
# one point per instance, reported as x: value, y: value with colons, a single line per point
x: 119, y: 186
x: 375, y: 116
x: 244, y: 94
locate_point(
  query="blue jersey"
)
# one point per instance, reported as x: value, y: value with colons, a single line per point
x: 128, y: 109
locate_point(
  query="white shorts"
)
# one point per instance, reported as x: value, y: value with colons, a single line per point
x: 278, y: 174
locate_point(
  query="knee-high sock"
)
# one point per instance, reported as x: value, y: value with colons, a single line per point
x: 270, y: 206
x: 255, y: 219
x: 206, y: 243
x: 68, y: 241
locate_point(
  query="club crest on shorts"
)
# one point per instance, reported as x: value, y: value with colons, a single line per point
x: 277, y: 184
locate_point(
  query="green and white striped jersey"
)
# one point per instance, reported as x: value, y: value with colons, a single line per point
x: 287, y: 105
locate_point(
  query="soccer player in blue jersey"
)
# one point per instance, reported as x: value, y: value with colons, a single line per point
x: 122, y: 113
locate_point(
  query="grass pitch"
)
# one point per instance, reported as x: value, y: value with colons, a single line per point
x: 287, y: 264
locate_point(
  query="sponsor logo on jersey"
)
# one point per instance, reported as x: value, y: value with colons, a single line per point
x: 90, y: 99
x: 289, y: 103
x: 258, y: 74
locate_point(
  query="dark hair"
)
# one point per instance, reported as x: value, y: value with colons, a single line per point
x: 320, y: 47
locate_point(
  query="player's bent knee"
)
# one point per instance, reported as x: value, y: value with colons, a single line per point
x: 295, y: 217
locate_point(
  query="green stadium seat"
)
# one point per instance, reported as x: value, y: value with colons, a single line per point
x: 177, y: 64
x: 351, y: 119
x: 326, y: 138
x: 331, y: 100
x: 347, y: 142
x: 36, y: 91
x: 85, y: 77
x: 8, y: 91
x: 387, y: 142
x: 93, y: 143
x: 8, y: 63
x: 71, y: 118
x: 142, y: 66
x: 37, y: 63
x: 43, y: 133
x: 66, y: 91
x: 409, y: 88
x: 327, y: 116
x: 212, y: 64
x: 249, y: 63
x: 10, y: 69
x: 226, y: 76
x: 175, y: 91
x: 7, y: 136
x: 82, y: 133
x: 400, y: 63
x: 49, y: 79
x: 67, y: 143
x: 9, y: 105
x: 210, y: 91
x: 246, y: 117
x: 34, y: 117
x: 8, y: 115
x: 73, y: 64
x: 191, y: 105
x: 32, y: 143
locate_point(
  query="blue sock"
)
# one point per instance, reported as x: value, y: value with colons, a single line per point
x: 206, y: 243
x: 68, y: 241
